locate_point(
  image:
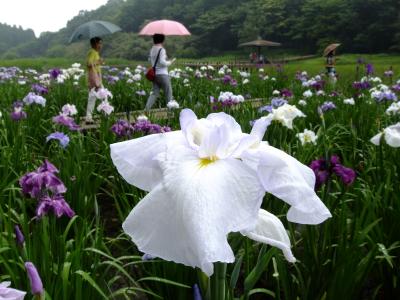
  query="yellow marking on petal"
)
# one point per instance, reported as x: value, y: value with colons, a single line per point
x: 207, y: 160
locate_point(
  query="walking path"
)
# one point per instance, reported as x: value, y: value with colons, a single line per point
x: 154, y: 114
x: 246, y: 64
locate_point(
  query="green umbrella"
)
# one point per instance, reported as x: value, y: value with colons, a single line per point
x: 92, y: 29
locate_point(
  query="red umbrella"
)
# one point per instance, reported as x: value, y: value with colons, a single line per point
x: 166, y: 27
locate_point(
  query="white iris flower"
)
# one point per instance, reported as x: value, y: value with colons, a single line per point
x: 207, y: 180
x: 391, y: 135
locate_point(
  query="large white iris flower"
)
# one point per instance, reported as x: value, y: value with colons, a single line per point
x: 208, y: 180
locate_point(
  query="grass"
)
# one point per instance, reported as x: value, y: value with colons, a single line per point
x: 346, y: 63
x: 353, y: 255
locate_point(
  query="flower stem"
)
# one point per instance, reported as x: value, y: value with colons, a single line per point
x: 218, y: 281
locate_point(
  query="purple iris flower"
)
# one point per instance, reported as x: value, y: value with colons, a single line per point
x: 18, y: 113
x: 122, y: 128
x: 65, y: 120
x: 301, y: 76
x: 361, y: 85
x: 346, y: 174
x: 34, y: 278
x: 112, y: 79
x: 323, y: 170
x: 19, y: 236
x: 8, y: 73
x: 388, y: 73
x: 147, y: 127
x: 39, y: 89
x: 147, y: 257
x: 48, y: 167
x: 227, y: 79
x: 369, y: 69
x: 266, y: 108
x: 196, y: 293
x: 60, y: 136
x: 326, y: 106
x: 36, y: 183
x: 33, y: 98
x: 276, y: 102
x: 225, y: 103
x: 54, y: 73
x: 233, y: 82
x: 396, y: 88
x: 318, y: 85
x: 286, y: 93
x: 55, y: 204
x: 320, y: 169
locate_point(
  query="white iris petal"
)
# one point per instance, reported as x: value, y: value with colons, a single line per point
x: 206, y: 181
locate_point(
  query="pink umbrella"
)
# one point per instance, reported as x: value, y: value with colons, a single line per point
x: 166, y: 27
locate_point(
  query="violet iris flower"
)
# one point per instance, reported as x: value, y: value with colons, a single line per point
x: 147, y: 257
x: 33, y: 98
x: 19, y: 236
x: 18, y: 114
x: 65, y: 120
x: 326, y: 106
x: 44, y: 185
x: 55, y: 204
x: 388, y: 73
x: 54, y: 73
x: 318, y: 85
x: 122, y: 128
x: 286, y: 93
x: 324, y: 169
x: 277, y: 102
x: 265, y: 108
x: 44, y: 178
x: 396, y: 88
x: 196, y: 292
x: 369, y: 69
x: 227, y: 79
x: 39, y: 89
x: 233, y: 82
x: 361, y: 85
x: 60, y: 136
x: 147, y: 127
x: 34, y: 278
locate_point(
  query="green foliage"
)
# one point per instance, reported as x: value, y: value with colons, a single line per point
x: 363, y: 26
x: 11, y: 36
x: 353, y: 255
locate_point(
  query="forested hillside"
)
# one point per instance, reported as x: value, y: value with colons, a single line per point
x: 11, y: 36
x: 219, y: 25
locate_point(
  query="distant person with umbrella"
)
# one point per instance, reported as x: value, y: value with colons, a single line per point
x: 158, y: 59
x: 93, y: 30
x: 330, y: 62
x: 93, y: 64
x: 329, y: 53
x: 158, y: 56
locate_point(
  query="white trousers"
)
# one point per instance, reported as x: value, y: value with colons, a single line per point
x: 90, y: 105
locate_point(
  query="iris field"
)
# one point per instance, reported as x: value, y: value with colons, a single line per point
x: 62, y: 201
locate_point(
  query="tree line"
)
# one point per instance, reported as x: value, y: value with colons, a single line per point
x: 218, y: 26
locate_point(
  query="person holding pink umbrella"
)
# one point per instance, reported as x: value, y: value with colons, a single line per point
x: 158, y: 59
x: 158, y: 56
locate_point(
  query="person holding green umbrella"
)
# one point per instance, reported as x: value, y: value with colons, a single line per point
x: 93, y: 64
x: 93, y: 30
